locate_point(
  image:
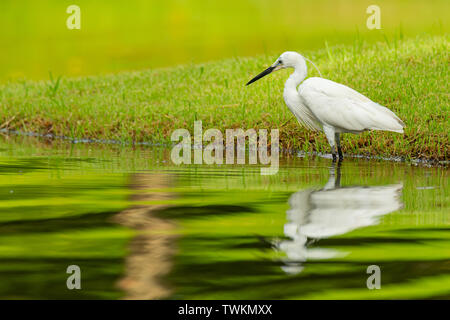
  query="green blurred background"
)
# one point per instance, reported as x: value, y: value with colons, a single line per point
x: 138, y: 34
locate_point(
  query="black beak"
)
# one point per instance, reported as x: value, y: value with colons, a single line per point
x: 262, y: 74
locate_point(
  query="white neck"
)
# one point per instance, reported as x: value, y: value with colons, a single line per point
x: 293, y: 100
x: 299, y: 74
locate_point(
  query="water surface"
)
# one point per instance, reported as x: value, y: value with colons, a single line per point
x: 140, y: 227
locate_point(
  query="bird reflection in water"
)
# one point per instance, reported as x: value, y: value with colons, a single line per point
x: 331, y: 211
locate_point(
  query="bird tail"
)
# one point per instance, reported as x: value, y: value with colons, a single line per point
x: 390, y: 121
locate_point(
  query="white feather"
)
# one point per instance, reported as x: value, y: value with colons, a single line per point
x: 345, y: 109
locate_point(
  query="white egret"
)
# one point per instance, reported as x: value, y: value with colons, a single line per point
x: 321, y: 104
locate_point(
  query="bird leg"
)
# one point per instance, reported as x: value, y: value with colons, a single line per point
x: 333, y: 154
x: 338, y: 143
x: 330, y: 134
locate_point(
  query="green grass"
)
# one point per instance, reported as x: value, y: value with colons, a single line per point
x: 408, y: 76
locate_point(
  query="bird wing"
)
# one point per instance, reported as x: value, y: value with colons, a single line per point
x: 337, y: 105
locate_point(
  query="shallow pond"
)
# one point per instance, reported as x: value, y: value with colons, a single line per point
x: 140, y: 227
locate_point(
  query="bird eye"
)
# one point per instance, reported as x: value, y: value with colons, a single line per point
x: 280, y: 62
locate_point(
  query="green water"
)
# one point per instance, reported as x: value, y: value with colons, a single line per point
x: 140, y: 227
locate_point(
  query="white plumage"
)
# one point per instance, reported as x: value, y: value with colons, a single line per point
x: 321, y: 104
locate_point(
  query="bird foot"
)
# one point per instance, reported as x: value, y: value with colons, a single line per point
x: 341, y: 155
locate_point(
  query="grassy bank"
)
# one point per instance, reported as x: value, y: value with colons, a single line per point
x: 408, y: 76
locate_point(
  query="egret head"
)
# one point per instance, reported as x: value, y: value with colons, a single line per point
x: 288, y: 59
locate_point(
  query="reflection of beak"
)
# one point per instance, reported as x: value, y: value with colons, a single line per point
x: 262, y: 74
